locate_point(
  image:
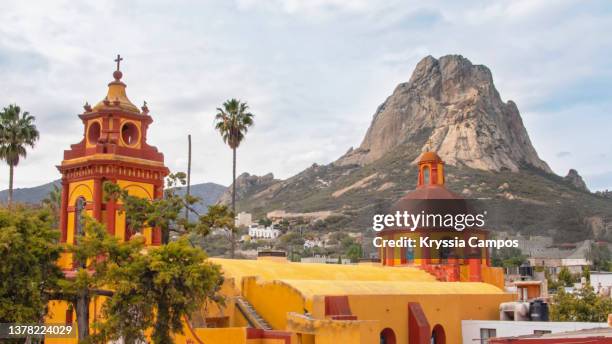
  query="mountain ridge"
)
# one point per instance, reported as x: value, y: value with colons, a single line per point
x: 208, y: 192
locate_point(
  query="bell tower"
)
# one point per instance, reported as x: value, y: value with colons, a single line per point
x: 113, y: 148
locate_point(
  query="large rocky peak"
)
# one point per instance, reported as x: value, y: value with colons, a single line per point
x: 451, y: 106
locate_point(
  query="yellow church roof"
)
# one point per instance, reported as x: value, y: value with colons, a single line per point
x: 116, y: 96
x: 273, y: 270
x: 309, y: 288
x: 337, y: 279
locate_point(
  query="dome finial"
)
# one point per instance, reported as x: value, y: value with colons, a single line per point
x: 429, y: 143
x: 117, y: 73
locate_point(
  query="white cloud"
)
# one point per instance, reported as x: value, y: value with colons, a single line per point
x: 312, y: 71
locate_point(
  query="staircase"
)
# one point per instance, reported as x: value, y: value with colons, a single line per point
x: 250, y: 314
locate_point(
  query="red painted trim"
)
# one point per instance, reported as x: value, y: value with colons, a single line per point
x: 158, y: 192
x: 99, y: 168
x: 337, y: 305
x: 97, y: 199
x: 440, y: 335
x: 583, y: 340
x: 388, y: 335
x: 111, y: 212
x: 69, y: 316
x: 418, y: 326
x: 256, y: 333
x: 403, y: 259
x: 63, y: 212
x: 344, y: 317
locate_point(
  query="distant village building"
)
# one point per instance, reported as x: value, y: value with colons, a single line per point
x: 244, y: 219
x: 261, y: 232
x: 542, y: 252
x: 554, y: 265
x: 279, y: 215
x: 482, y: 331
x: 325, y: 260
x: 313, y: 243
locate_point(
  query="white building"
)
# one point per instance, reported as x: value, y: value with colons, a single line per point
x: 313, y: 243
x: 261, y: 232
x: 479, y: 331
x: 244, y: 219
x: 601, y: 279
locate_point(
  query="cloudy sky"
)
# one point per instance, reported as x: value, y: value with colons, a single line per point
x: 313, y: 72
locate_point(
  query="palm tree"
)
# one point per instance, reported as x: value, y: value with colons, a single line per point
x: 53, y: 202
x: 17, y: 131
x: 232, y: 122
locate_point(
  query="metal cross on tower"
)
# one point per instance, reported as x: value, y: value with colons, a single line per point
x: 118, y: 60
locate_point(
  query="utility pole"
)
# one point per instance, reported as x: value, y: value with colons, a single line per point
x: 188, y: 173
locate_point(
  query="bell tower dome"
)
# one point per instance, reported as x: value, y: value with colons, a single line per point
x: 431, y: 170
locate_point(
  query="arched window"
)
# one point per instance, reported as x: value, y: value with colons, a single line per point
x: 79, y: 206
x: 409, y: 255
x: 437, y: 335
x: 387, y: 336
x: 446, y: 252
x: 426, y: 175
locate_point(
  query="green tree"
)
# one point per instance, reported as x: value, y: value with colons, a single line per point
x: 600, y: 257
x: 124, y: 258
x: 232, y: 121
x: 157, y: 290
x: 17, y: 132
x: 552, y: 283
x: 264, y: 221
x: 165, y: 213
x: 508, y: 257
x: 92, y: 252
x: 29, y: 275
x: 354, y: 253
x: 153, y: 288
x: 290, y: 240
x: 586, y: 273
x: 585, y: 306
x: 53, y: 202
x: 566, y: 277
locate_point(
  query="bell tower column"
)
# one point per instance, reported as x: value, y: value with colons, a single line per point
x: 97, y: 199
x: 64, y: 211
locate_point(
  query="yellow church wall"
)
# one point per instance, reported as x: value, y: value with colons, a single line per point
x: 75, y: 191
x: 120, y: 225
x: 65, y: 260
x: 80, y: 189
x: 446, y: 310
x: 212, y: 335
x: 57, y: 315
x: 266, y: 341
x: 228, y: 309
x: 238, y: 320
x: 493, y: 275
x: 327, y: 331
x: 273, y: 300
x: 136, y: 189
